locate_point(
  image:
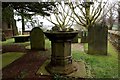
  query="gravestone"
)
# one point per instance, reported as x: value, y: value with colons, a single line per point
x: 37, y: 39
x: 3, y: 36
x: 79, y: 34
x: 75, y: 39
x: 84, y: 37
x: 97, y: 39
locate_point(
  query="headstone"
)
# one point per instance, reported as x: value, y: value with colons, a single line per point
x: 97, y: 39
x: 15, y: 31
x: 79, y: 33
x: 3, y: 36
x: 37, y: 39
x: 75, y: 39
x: 84, y: 37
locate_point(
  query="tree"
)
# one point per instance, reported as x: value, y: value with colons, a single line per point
x: 28, y: 9
x: 110, y: 19
x: 8, y: 17
x: 60, y: 16
x: 119, y: 15
x: 112, y: 14
x: 88, y: 13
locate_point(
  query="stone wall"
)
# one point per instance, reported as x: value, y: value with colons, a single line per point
x: 9, y: 30
x: 8, y: 33
x: 114, y: 38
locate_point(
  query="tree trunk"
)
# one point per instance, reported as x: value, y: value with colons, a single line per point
x: 111, y: 24
x: 14, y: 28
x: 23, y: 27
x: 119, y: 15
x: 111, y: 20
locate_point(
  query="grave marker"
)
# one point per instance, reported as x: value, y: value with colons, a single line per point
x: 37, y: 39
x: 84, y: 37
x: 97, y: 39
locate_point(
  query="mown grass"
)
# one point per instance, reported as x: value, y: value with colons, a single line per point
x: 101, y: 66
x: 47, y: 43
x: 7, y: 42
x: 11, y: 41
x: 9, y: 57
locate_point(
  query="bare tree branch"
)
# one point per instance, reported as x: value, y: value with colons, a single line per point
x: 62, y: 16
x: 79, y: 18
x: 106, y: 12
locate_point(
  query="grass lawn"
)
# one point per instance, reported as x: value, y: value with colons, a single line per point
x: 115, y: 27
x: 7, y: 42
x: 11, y: 41
x: 9, y: 57
x: 47, y: 44
x: 100, y: 66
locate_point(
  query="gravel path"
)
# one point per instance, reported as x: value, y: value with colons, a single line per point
x: 77, y: 46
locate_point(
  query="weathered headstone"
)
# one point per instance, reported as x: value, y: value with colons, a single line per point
x: 37, y: 39
x: 3, y: 36
x: 79, y: 33
x: 97, y: 39
x: 75, y: 39
x: 84, y: 37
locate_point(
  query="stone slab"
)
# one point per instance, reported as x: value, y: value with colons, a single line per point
x: 21, y: 38
x: 81, y: 71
